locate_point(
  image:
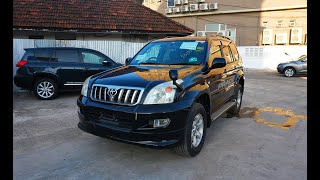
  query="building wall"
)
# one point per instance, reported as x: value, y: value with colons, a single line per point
x: 268, y: 57
x: 225, y: 5
x: 249, y: 25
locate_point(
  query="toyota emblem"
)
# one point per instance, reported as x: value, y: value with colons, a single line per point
x: 112, y: 93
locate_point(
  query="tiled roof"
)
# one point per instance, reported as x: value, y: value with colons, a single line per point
x: 92, y: 16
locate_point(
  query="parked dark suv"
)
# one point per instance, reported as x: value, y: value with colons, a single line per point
x: 167, y: 95
x: 47, y: 71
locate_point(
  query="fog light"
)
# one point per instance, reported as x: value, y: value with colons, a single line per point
x: 161, y: 122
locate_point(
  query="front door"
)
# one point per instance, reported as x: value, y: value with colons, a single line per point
x: 228, y: 85
x: 304, y: 66
x: 69, y: 68
x: 93, y: 62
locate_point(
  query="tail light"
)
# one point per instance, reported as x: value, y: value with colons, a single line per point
x: 21, y: 63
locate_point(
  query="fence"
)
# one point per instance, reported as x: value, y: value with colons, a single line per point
x: 257, y: 57
x: 268, y: 57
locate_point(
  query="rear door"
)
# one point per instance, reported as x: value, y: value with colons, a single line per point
x: 39, y: 59
x: 93, y: 62
x: 69, y: 67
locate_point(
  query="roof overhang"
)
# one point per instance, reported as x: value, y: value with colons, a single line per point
x: 84, y: 31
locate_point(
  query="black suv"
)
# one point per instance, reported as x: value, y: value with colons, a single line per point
x: 46, y: 71
x: 166, y: 95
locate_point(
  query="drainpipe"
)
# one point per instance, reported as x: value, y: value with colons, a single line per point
x: 196, y: 25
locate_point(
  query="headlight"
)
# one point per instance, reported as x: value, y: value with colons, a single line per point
x: 162, y: 94
x: 84, y: 90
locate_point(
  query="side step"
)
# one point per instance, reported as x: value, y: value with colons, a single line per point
x: 222, y: 109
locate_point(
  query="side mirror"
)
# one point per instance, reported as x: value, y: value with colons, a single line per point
x: 173, y: 74
x: 128, y: 60
x: 218, y: 62
x: 106, y: 63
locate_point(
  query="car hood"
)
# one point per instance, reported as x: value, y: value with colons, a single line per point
x: 290, y: 62
x: 143, y: 75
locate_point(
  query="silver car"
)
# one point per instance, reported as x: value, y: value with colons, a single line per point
x: 292, y: 68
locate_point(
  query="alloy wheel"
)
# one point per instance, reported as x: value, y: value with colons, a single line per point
x: 289, y: 72
x: 197, y: 130
x: 45, y: 89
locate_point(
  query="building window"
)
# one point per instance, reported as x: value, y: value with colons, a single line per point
x: 292, y: 23
x: 171, y: 3
x: 215, y: 27
x: 265, y: 24
x: 65, y: 36
x: 36, y: 37
x: 279, y: 23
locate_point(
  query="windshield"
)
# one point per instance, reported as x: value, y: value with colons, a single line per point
x: 302, y: 58
x: 188, y: 52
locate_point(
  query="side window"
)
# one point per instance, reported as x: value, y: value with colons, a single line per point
x: 41, y: 55
x: 215, y: 51
x: 67, y: 56
x: 92, y: 58
x: 231, y: 54
x: 227, y: 54
x: 28, y: 55
x: 234, y: 51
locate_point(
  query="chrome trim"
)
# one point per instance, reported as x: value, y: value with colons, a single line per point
x: 95, y: 93
x: 127, y: 96
x: 105, y: 92
x: 100, y: 93
x: 76, y: 84
x: 134, y: 96
x: 94, y: 87
x: 120, y: 95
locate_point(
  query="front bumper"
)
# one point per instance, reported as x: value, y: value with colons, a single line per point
x: 131, y: 124
x: 280, y: 69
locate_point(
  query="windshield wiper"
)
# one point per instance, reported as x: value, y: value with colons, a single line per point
x: 149, y: 63
x: 182, y: 64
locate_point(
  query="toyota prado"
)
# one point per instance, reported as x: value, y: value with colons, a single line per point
x: 167, y: 95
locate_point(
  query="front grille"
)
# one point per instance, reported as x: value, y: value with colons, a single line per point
x: 116, y: 94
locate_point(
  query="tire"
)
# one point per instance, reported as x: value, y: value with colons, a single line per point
x: 234, y: 111
x: 289, y: 72
x: 45, y: 89
x: 187, y: 147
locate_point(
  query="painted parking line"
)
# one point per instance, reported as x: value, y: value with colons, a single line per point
x: 256, y: 113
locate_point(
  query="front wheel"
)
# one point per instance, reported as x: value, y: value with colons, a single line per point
x: 195, y: 132
x: 289, y: 72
